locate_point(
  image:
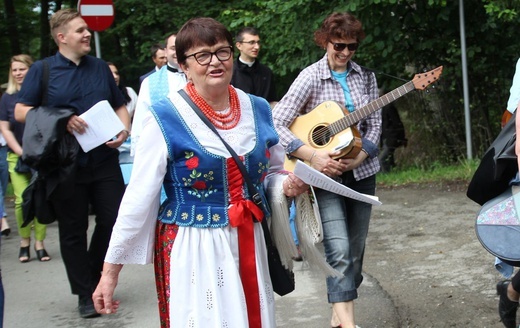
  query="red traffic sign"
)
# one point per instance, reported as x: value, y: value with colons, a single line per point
x: 98, y: 14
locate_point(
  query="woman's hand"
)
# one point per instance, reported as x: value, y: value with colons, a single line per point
x: 324, y: 162
x: 103, y: 295
x: 348, y: 164
x: 294, y: 186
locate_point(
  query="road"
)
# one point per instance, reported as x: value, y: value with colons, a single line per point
x: 423, y: 267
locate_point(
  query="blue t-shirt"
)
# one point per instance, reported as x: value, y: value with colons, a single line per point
x: 7, y: 104
x: 342, y: 79
x: 74, y: 86
x: 70, y: 85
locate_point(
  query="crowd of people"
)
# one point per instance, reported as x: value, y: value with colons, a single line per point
x: 166, y: 189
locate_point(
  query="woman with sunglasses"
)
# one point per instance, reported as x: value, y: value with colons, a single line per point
x: 219, y: 272
x: 345, y: 221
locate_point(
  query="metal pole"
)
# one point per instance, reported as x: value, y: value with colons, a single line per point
x: 98, y: 46
x: 465, y: 81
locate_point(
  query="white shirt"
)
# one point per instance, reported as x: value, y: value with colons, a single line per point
x: 176, y: 81
x: 514, y: 97
x: 133, y: 101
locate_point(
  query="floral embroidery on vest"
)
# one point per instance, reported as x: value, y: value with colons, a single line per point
x: 263, y: 168
x: 197, y: 180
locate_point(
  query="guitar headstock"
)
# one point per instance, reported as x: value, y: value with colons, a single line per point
x: 421, y: 81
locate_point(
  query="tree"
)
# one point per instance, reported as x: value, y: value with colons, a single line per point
x: 404, y: 37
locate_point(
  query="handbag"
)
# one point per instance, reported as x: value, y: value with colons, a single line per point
x: 497, y: 167
x: 498, y: 225
x: 282, y: 278
x: 21, y: 166
x: 36, y: 203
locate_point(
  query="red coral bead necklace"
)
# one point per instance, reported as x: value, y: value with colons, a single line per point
x: 223, y: 121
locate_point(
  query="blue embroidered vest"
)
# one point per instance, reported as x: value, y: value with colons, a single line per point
x: 196, y: 180
x: 158, y: 84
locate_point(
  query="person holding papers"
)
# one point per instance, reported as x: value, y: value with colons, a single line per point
x: 345, y: 221
x: 79, y: 81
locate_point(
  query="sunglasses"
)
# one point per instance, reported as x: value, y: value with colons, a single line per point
x: 342, y: 46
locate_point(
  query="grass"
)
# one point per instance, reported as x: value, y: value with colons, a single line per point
x: 437, y: 173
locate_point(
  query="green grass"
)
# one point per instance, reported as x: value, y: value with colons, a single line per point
x: 437, y: 173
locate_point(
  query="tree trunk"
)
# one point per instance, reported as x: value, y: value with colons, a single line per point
x: 12, y: 30
x: 44, y: 29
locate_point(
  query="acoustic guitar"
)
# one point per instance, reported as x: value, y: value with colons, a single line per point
x: 330, y: 127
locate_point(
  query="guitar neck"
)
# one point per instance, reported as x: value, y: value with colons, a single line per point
x: 358, y: 115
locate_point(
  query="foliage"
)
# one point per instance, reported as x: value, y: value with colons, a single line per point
x: 462, y: 171
x: 404, y: 37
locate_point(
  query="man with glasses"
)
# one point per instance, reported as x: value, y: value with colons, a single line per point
x: 249, y: 74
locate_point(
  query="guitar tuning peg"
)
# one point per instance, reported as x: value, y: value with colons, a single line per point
x: 430, y: 88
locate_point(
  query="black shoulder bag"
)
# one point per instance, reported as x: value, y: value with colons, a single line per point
x: 497, y: 167
x: 281, y: 277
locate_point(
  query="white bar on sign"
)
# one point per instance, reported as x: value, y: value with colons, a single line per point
x: 96, y: 10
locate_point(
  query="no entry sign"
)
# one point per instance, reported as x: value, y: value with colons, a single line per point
x: 98, y: 14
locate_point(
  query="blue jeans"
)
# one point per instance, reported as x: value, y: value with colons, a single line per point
x: 4, y: 175
x: 2, y: 297
x: 292, y: 224
x: 345, y: 228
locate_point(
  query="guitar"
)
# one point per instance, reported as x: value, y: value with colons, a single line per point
x: 330, y: 127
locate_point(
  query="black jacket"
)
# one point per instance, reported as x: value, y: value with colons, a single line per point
x: 257, y: 80
x: 50, y: 150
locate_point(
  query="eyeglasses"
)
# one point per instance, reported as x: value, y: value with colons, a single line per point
x: 205, y: 57
x: 251, y: 43
x: 342, y: 46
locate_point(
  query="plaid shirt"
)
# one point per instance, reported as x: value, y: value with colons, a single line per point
x: 315, y: 85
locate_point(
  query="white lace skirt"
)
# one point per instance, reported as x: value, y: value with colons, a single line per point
x: 205, y: 287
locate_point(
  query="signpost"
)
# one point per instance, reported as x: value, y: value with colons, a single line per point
x: 99, y: 15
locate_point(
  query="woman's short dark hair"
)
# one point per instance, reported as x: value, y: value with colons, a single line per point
x: 339, y: 26
x: 200, y: 31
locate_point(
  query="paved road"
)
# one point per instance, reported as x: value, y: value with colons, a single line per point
x: 38, y: 295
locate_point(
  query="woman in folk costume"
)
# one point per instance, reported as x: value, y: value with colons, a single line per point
x: 218, y: 275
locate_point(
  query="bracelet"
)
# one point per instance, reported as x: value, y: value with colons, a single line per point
x: 127, y: 133
x: 312, y: 156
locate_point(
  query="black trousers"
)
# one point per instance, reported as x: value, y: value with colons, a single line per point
x: 101, y: 186
x: 515, y: 281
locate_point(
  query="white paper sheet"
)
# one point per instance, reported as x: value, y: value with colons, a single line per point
x: 103, y: 125
x: 320, y: 180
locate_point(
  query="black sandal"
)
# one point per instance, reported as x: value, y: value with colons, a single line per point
x: 41, y: 253
x: 5, y: 230
x: 24, y: 252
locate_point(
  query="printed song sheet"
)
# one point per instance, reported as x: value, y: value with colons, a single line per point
x: 103, y: 125
x: 320, y: 180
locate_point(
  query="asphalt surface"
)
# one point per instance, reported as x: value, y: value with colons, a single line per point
x: 38, y: 294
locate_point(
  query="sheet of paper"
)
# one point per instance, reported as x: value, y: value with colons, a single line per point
x: 103, y: 125
x: 320, y: 180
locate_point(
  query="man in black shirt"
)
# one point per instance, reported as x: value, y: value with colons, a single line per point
x: 249, y: 74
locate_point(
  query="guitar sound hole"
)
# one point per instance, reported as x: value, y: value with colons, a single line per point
x: 321, y: 136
